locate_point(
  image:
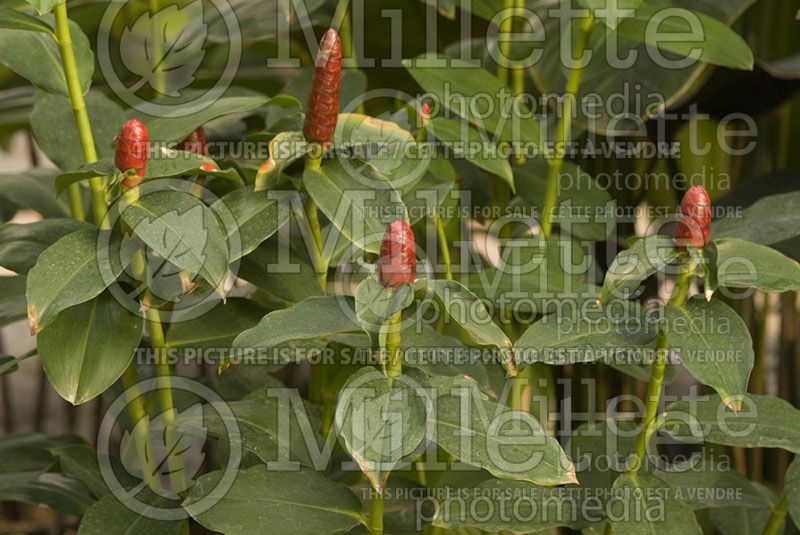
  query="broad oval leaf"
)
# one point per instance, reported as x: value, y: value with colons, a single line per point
x: 16, y: 20
x: 791, y: 487
x: 632, y: 266
x: 32, y: 191
x: 743, y: 264
x: 256, y: 214
x: 21, y: 244
x: 769, y: 220
x: 109, y: 515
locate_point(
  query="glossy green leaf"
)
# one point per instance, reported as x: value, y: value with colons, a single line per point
x: 284, y: 149
x: 743, y: 264
x: 34, y: 55
x: 359, y: 205
x: 304, y: 502
x: 375, y: 304
x: 632, y: 266
x: 32, y: 191
x: 12, y: 19
x: 741, y: 520
x: 769, y: 220
x: 110, y: 516
x: 22, y: 464
x: 88, y: 347
x: 380, y: 421
x: 289, y: 282
x: 218, y: 327
x: 53, y: 126
x: 183, y: 231
x: 51, y: 490
x: 584, y: 208
x: 764, y: 422
x: 480, y: 432
x: 602, y: 452
x: 309, y: 324
x: 80, y: 463
x: 257, y: 218
x: 12, y: 299
x: 611, y: 12
x: 44, y: 6
x: 467, y: 310
x: 791, y: 485
x: 644, y: 493
x: 21, y: 245
x: 66, y: 274
x: 713, y: 343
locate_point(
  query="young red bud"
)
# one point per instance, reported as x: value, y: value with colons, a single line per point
x: 194, y: 142
x: 424, y: 116
x: 323, y: 99
x: 694, y: 222
x: 397, y: 264
x: 131, y: 153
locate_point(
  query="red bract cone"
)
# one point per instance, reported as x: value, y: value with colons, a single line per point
x: 694, y: 222
x: 323, y: 99
x: 131, y: 153
x: 397, y: 264
x: 194, y: 142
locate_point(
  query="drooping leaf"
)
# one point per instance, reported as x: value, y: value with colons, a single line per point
x: 16, y: 20
x: 51, y: 490
x: 21, y: 244
x: 88, y: 347
x: 32, y: 191
x: 66, y: 274
x: 713, y: 343
x: 743, y: 264
x: 304, y: 501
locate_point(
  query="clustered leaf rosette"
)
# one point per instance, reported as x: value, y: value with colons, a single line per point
x: 131, y: 153
x: 397, y: 264
x: 322, y: 109
x: 694, y: 222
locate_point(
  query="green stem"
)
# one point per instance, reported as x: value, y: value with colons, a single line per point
x: 444, y: 248
x: 376, y: 514
x: 141, y: 433
x: 163, y: 373
x: 677, y: 299
x: 156, y: 59
x: 346, y: 36
x: 394, y: 364
x: 518, y: 74
x: 564, y: 127
x: 504, y: 46
x: 97, y: 185
x: 777, y: 517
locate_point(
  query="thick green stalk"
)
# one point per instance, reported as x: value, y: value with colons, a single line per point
x: 677, y: 299
x: 376, y: 514
x: 346, y: 35
x: 444, y: 248
x: 556, y: 162
x: 394, y: 364
x: 518, y: 73
x: 97, y: 185
x: 157, y: 56
x: 504, y: 46
x: 312, y: 218
x: 141, y: 433
x: 777, y: 517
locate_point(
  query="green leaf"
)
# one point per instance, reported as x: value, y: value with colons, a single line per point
x: 309, y: 324
x: 601, y: 452
x: 390, y: 150
x: 88, y: 347
x: 15, y: 20
x: 22, y: 464
x: 44, y: 6
x: 51, y: 490
x: 381, y: 421
x: 12, y: 299
x: 183, y: 231
x: 613, y: 11
x: 187, y: 117
x: 764, y: 422
x: 217, y: 327
x: 791, y: 488
x: 474, y: 84
x: 769, y: 220
x: 284, y: 149
x: 462, y: 139
x: 35, y: 56
x: 257, y: 217
x: 582, y: 204
x: 480, y: 432
x: 359, y: 205
x: 290, y: 281
x: 53, y: 126
x: 110, y: 516
x: 80, y: 463
x: 716, y: 43
x: 375, y: 304
x: 741, y: 520
x: 714, y: 345
x: 296, y: 503
x: 21, y: 245
x: 645, y: 493
x: 743, y: 264
x: 31, y: 191
x: 612, y: 334
x: 104, y: 167
x: 632, y: 266
x: 66, y: 274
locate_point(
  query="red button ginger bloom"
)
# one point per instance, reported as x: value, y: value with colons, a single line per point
x: 397, y: 264
x: 131, y: 154
x: 195, y: 142
x: 694, y: 222
x: 322, y: 109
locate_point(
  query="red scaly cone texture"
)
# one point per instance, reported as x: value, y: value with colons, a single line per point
x: 694, y: 223
x: 322, y: 109
x: 397, y: 264
x: 194, y: 142
x: 131, y: 154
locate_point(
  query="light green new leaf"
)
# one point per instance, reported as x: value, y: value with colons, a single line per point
x: 88, y: 347
x: 764, y: 422
x: 713, y: 343
x: 67, y: 273
x: 743, y: 264
x: 632, y: 266
x: 261, y: 502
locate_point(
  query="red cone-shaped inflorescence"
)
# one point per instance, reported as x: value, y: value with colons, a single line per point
x: 694, y: 222
x: 397, y: 264
x: 323, y: 99
x: 424, y: 116
x: 194, y: 142
x: 131, y: 153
